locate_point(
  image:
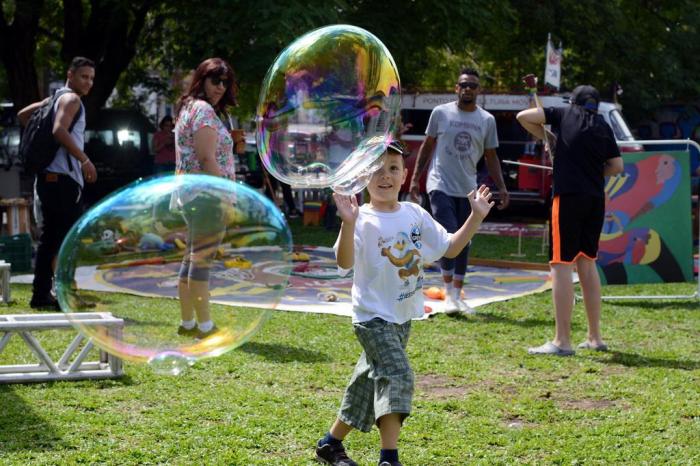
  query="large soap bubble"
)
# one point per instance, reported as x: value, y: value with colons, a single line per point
x: 328, y: 108
x: 230, y: 239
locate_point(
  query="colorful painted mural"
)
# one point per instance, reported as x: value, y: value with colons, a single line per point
x: 646, y: 236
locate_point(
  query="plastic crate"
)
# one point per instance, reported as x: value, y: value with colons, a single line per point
x: 17, y: 250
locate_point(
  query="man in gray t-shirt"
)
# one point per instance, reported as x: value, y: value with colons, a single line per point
x: 459, y: 133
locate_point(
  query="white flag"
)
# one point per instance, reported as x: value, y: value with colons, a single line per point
x: 552, y: 72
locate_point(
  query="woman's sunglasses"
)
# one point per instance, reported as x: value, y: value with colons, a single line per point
x: 216, y: 80
x: 467, y: 84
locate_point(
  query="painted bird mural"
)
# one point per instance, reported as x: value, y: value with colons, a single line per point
x: 645, y: 186
x: 638, y: 246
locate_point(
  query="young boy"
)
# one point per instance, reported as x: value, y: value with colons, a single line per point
x: 387, y: 242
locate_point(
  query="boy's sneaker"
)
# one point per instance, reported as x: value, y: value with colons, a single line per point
x: 393, y: 463
x: 451, y: 305
x: 334, y: 455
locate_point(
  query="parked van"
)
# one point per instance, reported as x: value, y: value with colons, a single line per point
x: 525, y: 184
x: 118, y: 141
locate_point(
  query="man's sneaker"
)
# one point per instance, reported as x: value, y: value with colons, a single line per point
x: 334, y: 455
x: 451, y: 305
x: 465, y: 308
x: 202, y: 335
x: 393, y: 463
x: 187, y: 332
x: 44, y: 302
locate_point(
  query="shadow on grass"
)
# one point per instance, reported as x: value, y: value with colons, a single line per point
x: 22, y: 427
x: 284, y: 353
x: 676, y: 305
x: 485, y: 318
x: 639, y: 360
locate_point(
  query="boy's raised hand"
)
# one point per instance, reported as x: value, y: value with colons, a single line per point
x: 347, y: 207
x: 480, y: 201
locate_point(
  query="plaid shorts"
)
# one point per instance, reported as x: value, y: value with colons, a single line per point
x: 382, y: 382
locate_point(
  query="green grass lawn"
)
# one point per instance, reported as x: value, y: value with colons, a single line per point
x: 480, y: 399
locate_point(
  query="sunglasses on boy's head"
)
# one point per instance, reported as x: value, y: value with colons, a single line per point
x: 216, y: 80
x: 468, y: 84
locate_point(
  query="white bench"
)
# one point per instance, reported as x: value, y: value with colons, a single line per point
x: 5, y: 281
x: 67, y: 367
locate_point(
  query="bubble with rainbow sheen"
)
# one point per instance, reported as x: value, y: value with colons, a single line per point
x: 125, y: 254
x: 328, y: 107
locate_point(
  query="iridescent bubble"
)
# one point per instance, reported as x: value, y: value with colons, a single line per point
x: 358, y: 182
x: 195, y: 238
x: 328, y: 108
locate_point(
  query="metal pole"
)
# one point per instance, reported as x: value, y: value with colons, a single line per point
x: 513, y: 162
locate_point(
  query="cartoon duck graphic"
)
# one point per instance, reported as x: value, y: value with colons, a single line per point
x: 407, y: 257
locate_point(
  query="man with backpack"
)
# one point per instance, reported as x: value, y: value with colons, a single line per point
x: 52, y: 148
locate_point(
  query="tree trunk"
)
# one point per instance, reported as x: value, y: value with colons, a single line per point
x: 109, y: 38
x: 17, y: 47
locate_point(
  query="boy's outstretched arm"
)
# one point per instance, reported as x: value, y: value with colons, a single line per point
x: 348, y: 211
x: 480, y: 201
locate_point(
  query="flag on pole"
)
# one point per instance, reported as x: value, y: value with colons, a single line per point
x: 552, y: 72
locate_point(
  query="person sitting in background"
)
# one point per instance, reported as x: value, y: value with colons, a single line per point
x: 164, y: 146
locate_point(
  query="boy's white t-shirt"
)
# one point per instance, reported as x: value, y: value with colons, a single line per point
x: 390, y: 250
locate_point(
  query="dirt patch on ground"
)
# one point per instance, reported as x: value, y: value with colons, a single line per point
x: 586, y: 405
x: 613, y: 370
x: 441, y: 387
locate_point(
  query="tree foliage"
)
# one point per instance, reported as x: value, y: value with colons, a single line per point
x: 107, y: 31
x: 649, y: 47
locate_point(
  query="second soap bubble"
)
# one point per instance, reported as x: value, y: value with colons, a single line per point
x: 220, y: 248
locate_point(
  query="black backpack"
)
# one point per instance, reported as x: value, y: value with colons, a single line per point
x: 37, y: 146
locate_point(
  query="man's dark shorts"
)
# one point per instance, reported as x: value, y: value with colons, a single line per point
x: 576, y: 222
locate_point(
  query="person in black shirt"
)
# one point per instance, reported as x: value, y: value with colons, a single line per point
x: 586, y: 152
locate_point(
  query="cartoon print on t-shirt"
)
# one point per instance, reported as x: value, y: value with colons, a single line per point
x: 406, y: 256
x: 461, y: 145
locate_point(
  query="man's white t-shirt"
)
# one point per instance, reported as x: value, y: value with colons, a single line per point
x: 461, y: 139
x: 390, y: 250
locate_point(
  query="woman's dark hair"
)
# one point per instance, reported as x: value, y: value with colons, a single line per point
x: 211, y: 67
x: 164, y: 120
